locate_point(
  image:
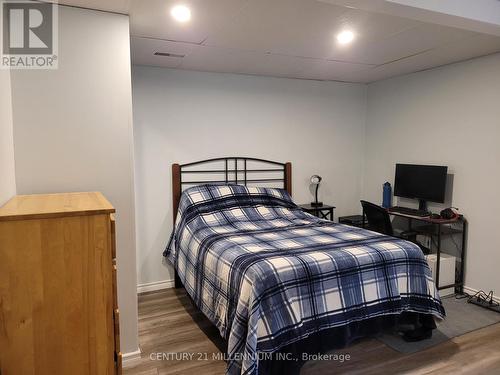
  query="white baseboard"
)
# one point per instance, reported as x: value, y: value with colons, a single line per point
x: 473, y: 291
x: 156, y: 285
x: 131, y: 358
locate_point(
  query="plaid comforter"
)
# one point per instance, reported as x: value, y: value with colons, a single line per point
x: 267, y: 274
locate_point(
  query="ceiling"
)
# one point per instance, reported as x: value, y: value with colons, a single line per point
x: 292, y: 38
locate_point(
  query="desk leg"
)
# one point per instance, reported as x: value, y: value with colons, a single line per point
x: 438, y: 256
x: 462, y: 258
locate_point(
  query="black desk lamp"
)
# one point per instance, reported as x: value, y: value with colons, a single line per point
x: 315, y: 180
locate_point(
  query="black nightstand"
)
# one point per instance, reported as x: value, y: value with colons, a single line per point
x: 323, y: 212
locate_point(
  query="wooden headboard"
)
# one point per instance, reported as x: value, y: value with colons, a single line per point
x: 237, y: 170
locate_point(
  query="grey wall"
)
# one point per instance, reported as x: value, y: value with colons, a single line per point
x: 7, y: 171
x: 446, y: 116
x: 73, y: 131
x: 182, y: 116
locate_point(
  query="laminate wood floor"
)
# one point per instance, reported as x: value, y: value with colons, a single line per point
x: 169, y: 323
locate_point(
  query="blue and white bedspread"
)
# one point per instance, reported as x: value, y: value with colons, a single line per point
x: 267, y: 274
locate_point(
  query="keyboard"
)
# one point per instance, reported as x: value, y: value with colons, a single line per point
x: 409, y: 211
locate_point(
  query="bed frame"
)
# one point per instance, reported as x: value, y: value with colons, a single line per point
x: 235, y: 170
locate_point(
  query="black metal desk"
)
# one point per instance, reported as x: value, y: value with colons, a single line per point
x: 323, y: 212
x: 437, y: 229
x: 352, y: 220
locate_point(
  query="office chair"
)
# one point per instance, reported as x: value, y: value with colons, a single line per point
x: 378, y: 218
x: 379, y: 221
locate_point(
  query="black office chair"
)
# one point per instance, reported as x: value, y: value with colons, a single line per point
x: 378, y: 218
x: 379, y: 221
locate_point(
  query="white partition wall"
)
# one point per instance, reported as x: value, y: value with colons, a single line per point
x: 7, y: 172
x: 73, y: 131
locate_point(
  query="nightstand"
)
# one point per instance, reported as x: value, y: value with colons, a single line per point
x: 323, y: 212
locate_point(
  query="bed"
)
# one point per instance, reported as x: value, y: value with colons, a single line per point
x: 274, y: 279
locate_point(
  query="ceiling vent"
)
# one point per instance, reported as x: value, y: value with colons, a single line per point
x: 166, y: 54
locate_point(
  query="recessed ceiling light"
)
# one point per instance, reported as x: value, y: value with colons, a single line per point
x: 181, y: 13
x: 345, y: 37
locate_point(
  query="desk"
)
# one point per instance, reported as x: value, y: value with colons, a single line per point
x: 353, y: 220
x: 437, y: 229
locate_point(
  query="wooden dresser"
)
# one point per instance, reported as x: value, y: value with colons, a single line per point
x: 58, y: 302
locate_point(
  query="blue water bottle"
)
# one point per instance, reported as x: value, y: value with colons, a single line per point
x: 387, y: 195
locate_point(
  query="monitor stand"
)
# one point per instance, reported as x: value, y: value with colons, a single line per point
x: 422, y: 205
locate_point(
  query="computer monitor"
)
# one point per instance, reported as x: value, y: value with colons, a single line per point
x: 422, y: 182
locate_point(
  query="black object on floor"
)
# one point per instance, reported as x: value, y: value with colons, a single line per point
x: 485, y: 300
x: 417, y: 334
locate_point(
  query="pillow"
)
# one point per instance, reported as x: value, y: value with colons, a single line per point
x: 225, y: 196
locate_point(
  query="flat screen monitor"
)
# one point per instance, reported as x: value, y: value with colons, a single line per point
x: 423, y: 182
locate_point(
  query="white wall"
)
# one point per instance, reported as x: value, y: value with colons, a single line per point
x: 446, y: 116
x: 487, y: 11
x: 7, y: 171
x: 182, y: 116
x: 73, y: 131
